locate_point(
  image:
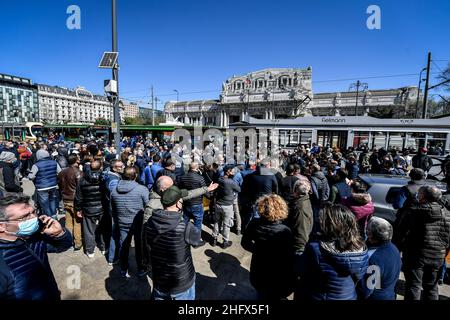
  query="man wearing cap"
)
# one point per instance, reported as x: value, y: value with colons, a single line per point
x: 422, y: 161
x: 170, y: 240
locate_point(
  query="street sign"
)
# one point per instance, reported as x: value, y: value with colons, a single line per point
x: 109, y: 60
x: 114, y: 127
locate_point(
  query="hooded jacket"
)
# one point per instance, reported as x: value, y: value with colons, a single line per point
x: 300, y: 220
x: 424, y: 231
x: 169, y: 239
x: 362, y: 207
x: 90, y: 194
x: 320, y: 187
x: 25, y: 270
x: 128, y: 198
x: 327, y: 274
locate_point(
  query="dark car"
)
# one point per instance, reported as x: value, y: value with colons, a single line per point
x: 384, y: 188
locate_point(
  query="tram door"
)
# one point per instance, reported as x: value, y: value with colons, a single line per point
x: 332, y: 138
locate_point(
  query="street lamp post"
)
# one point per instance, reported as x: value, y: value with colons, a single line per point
x: 115, y: 74
x: 178, y: 95
x: 418, y: 89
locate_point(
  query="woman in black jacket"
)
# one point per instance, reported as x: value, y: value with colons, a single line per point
x: 272, y: 245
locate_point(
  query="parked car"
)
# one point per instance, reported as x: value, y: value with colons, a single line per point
x: 383, y: 189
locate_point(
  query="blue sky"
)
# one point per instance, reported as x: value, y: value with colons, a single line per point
x: 193, y: 46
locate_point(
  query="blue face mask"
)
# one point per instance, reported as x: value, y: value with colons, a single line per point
x: 28, y: 227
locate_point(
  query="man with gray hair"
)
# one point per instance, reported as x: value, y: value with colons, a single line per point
x: 423, y: 235
x: 384, y: 262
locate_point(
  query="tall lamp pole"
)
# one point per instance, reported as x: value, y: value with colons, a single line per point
x: 425, y: 97
x: 178, y: 95
x: 115, y: 74
x: 418, y: 90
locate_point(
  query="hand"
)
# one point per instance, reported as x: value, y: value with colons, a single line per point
x: 213, y: 186
x: 80, y: 214
x: 52, y: 227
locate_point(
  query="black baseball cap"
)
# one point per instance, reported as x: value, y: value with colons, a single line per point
x: 172, y: 195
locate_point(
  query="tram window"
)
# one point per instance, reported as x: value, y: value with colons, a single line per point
x: 379, y: 140
x: 416, y: 141
x: 360, y: 139
x: 396, y: 140
x: 436, y: 143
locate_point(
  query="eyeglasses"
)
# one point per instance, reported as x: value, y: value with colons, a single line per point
x: 26, y: 217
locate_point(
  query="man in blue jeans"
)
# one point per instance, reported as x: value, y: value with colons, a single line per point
x: 193, y: 208
x: 128, y: 201
x: 44, y: 173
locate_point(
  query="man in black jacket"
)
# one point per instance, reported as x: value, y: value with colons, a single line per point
x: 259, y: 183
x: 424, y: 233
x: 89, y: 205
x: 170, y: 239
x: 8, y: 182
x: 193, y: 208
x: 169, y: 170
x: 422, y: 161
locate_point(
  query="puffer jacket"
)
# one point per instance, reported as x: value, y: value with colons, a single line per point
x: 46, y: 176
x: 25, y: 269
x: 424, y: 231
x: 362, y: 207
x: 320, y: 187
x: 155, y: 204
x: 272, y: 245
x: 127, y: 200
x: 89, y: 196
x: 327, y: 274
x: 169, y: 239
x: 192, y: 180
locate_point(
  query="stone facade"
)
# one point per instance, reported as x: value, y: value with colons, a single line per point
x: 130, y: 110
x: 18, y: 100
x: 60, y: 105
x: 284, y: 94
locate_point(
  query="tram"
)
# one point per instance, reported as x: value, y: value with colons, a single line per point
x: 343, y: 132
x: 29, y: 131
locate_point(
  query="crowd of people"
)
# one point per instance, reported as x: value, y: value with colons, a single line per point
x: 306, y: 217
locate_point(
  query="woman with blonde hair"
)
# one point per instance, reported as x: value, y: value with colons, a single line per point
x: 272, y: 245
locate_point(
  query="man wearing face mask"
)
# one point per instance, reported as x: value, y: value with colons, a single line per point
x: 170, y: 240
x: 25, y: 239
